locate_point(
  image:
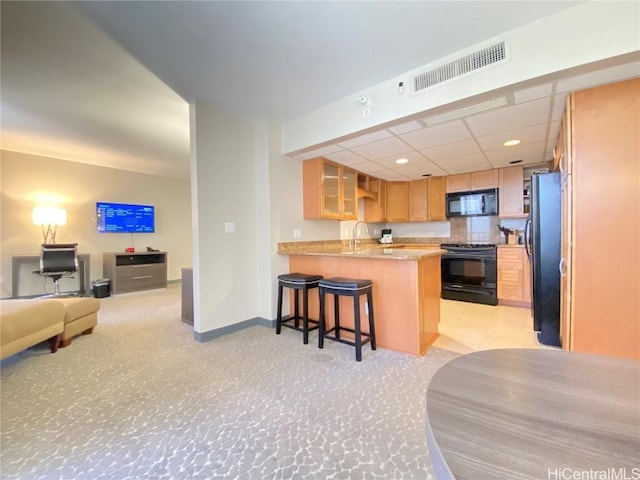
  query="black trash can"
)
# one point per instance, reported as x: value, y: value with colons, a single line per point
x: 102, y: 288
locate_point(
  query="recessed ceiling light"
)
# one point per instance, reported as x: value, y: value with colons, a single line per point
x: 513, y: 162
x: 511, y: 143
x: 402, y: 161
x: 426, y: 174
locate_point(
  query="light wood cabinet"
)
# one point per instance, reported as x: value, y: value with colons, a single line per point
x: 397, y: 201
x: 375, y: 209
x: 436, y: 203
x: 562, y: 150
x: 601, y: 210
x: 418, y: 201
x: 458, y: 183
x: 485, y: 179
x: 511, y: 185
x: 512, y: 276
x: 565, y: 266
x: 467, y: 182
x: 527, y: 288
x: 329, y: 190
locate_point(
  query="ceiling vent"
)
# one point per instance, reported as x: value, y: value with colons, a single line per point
x: 473, y: 62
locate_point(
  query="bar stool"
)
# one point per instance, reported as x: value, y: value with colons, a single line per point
x: 339, y: 286
x: 299, y: 282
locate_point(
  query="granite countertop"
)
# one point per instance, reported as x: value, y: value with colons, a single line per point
x: 387, y: 252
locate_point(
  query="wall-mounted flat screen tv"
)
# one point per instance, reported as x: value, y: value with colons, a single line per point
x: 125, y: 218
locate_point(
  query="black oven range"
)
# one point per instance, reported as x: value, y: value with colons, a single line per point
x: 470, y: 272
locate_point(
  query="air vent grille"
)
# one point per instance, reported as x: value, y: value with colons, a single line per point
x: 469, y: 63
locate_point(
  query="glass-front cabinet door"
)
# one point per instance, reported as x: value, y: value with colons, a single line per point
x: 349, y: 198
x: 331, y: 189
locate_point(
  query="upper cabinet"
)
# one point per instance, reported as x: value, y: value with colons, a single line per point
x: 418, y: 201
x: 397, y: 201
x: 467, y: 182
x: 329, y: 190
x: 511, y: 184
x: 375, y: 206
x: 436, y: 194
x: 458, y: 183
x: 484, y: 180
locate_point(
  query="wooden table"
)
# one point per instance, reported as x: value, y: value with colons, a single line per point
x: 538, y: 414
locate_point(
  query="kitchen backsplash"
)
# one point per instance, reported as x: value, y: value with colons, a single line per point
x: 483, y: 229
x: 457, y: 230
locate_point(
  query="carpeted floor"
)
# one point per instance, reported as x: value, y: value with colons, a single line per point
x: 140, y: 399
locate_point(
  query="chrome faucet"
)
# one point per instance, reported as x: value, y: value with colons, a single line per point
x: 356, y: 240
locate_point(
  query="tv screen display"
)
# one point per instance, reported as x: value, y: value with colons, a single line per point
x: 125, y: 218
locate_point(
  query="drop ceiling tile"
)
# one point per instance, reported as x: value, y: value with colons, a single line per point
x: 345, y: 157
x: 467, y: 168
x: 366, y: 138
x: 437, y: 135
x: 394, y: 176
x: 528, y: 94
x: 515, y: 116
x: 534, y: 158
x: 559, y: 106
x: 456, y: 149
x: 406, y: 127
x: 382, y: 148
x: 417, y: 171
x: 554, y: 130
x: 320, y: 152
x: 505, y: 155
x: 413, y: 157
x: 599, y: 77
x: 474, y: 158
x: 496, y: 141
x: 371, y: 168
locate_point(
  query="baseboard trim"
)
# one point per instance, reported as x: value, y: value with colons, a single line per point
x: 219, y: 332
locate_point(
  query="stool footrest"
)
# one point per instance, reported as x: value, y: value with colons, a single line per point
x: 366, y: 337
x: 284, y: 323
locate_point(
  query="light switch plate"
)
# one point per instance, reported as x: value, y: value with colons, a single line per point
x: 297, y: 233
x: 229, y: 227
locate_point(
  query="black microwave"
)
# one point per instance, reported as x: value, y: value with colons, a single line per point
x: 468, y: 204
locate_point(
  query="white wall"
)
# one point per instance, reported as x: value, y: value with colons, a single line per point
x: 29, y: 180
x: 587, y: 33
x: 223, y: 172
x: 285, y: 188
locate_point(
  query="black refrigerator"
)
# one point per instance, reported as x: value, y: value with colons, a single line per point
x: 542, y: 242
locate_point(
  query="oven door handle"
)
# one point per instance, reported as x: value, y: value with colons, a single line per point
x: 461, y: 288
x: 470, y: 255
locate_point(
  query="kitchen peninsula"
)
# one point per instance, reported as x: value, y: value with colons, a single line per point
x: 406, y: 287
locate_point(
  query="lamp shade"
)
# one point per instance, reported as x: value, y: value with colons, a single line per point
x: 49, y: 216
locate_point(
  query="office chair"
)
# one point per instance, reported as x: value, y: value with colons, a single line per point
x: 58, y: 260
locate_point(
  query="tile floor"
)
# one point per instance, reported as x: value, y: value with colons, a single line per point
x: 469, y: 327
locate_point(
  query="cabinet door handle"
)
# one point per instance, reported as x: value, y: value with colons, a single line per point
x: 562, y: 267
x: 560, y: 163
x: 142, y: 277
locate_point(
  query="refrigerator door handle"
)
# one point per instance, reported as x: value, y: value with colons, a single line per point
x: 527, y: 237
